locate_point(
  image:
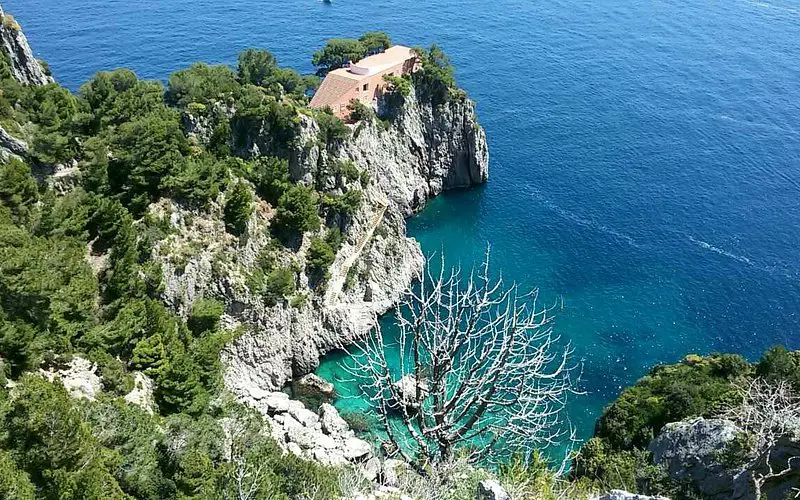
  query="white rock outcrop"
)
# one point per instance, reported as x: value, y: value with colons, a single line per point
x: 24, y: 66
x: 324, y: 436
x: 80, y: 378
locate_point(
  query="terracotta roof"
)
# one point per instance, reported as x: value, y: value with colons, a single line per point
x: 330, y: 92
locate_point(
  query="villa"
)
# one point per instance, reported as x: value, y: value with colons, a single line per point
x: 363, y: 80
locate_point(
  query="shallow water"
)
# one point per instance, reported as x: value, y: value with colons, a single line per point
x: 645, y: 154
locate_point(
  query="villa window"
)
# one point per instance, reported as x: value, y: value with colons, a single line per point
x: 366, y: 86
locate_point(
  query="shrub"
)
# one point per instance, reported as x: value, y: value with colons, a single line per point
x: 201, y: 83
x: 435, y: 79
x: 256, y: 66
x: 332, y: 130
x: 360, y: 111
x: 297, y: 211
x: 400, y: 85
x: 205, y: 316
x: 238, y: 208
x: 279, y: 283
x: 346, y: 204
x: 270, y: 175
x: 320, y: 257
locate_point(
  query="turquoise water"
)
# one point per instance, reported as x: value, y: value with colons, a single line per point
x: 645, y: 154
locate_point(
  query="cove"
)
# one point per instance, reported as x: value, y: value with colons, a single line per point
x: 645, y: 161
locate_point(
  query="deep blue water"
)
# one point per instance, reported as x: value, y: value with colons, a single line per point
x: 645, y: 154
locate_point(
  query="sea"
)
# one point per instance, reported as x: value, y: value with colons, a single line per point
x: 645, y: 154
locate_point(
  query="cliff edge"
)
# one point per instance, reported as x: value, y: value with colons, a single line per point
x: 419, y: 151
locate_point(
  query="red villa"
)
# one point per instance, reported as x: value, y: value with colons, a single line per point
x: 362, y: 80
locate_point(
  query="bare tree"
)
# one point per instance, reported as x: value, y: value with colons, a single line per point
x: 479, y: 370
x: 767, y: 412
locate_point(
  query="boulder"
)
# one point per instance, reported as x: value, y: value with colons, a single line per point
x: 489, y: 489
x: 80, y: 378
x: 332, y: 422
x: 406, y: 388
x: 356, y: 449
x: 276, y: 402
x: 690, y: 451
x: 302, y: 414
x: 313, y: 384
x: 371, y: 469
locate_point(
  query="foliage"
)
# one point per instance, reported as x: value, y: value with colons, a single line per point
x: 270, y: 175
x: 360, y: 111
x: 238, y: 208
x: 256, y: 66
x: 279, y: 284
x: 332, y: 130
x: 119, y: 96
x: 346, y: 204
x: 197, y: 180
x: 400, y: 85
x: 201, y: 83
x: 257, y: 109
x: 696, y: 386
x: 339, y: 52
x: 297, y: 211
x: 319, y: 258
x: 146, y: 153
x: 434, y: 80
x: 18, y: 191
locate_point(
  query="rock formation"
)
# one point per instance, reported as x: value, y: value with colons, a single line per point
x: 424, y: 151
x: 704, y: 454
x: 24, y: 66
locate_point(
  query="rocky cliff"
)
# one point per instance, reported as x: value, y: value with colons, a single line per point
x: 421, y: 152
x: 24, y: 66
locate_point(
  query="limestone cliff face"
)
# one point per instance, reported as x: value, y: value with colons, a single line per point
x: 24, y: 66
x: 421, y: 153
x: 426, y: 149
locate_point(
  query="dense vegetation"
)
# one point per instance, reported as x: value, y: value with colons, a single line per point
x: 617, y: 457
x: 78, y: 279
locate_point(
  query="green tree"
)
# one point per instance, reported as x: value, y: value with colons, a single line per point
x: 119, y: 96
x: 271, y: 177
x: 238, y: 208
x: 279, y: 283
x: 319, y: 259
x: 338, y: 53
x: 375, y: 41
x: 53, y: 445
x: 14, y: 483
x: 145, y: 153
x: 18, y: 190
x: 297, y: 211
x: 201, y: 83
x: 435, y: 79
x: 198, y: 180
x: 256, y: 67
